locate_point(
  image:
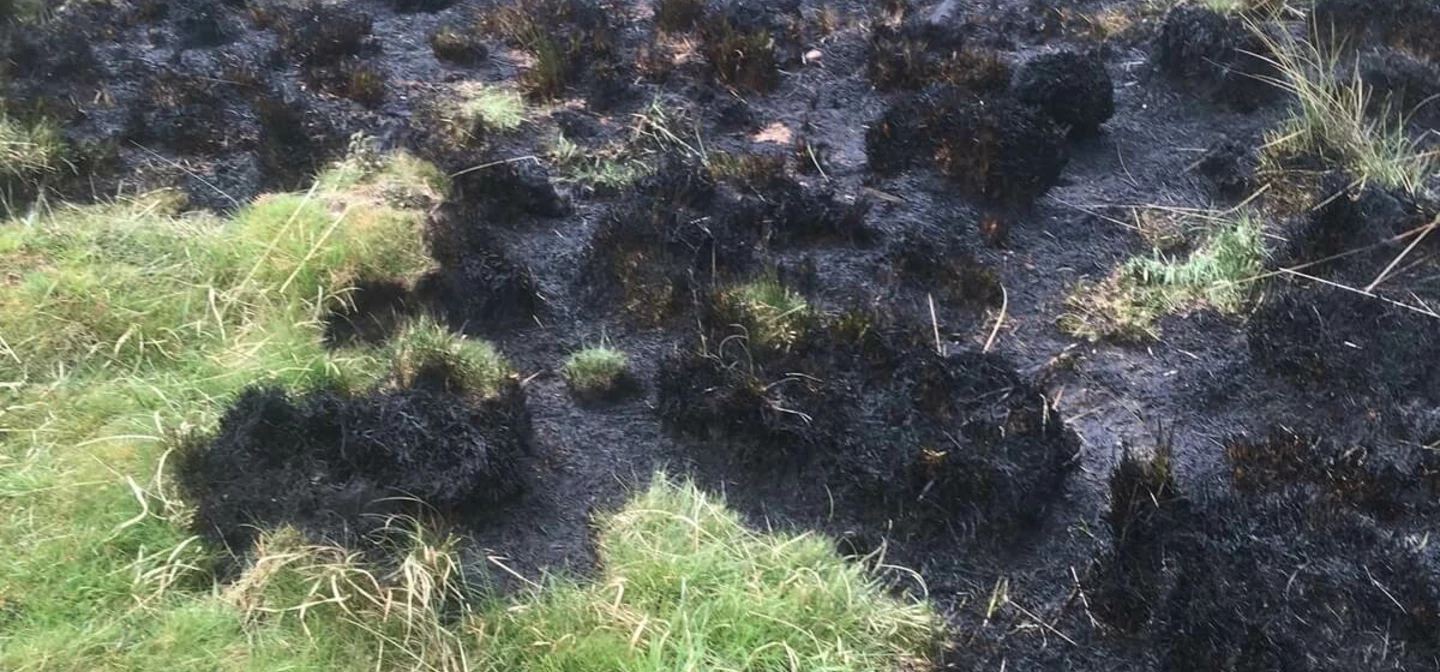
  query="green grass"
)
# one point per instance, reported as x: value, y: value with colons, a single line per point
x: 470, y: 366
x: 686, y: 586
x: 28, y: 150
x: 1333, y: 119
x: 595, y: 369
x: 774, y: 315
x: 1216, y: 274
x: 479, y: 109
x: 127, y: 326
x: 610, y: 169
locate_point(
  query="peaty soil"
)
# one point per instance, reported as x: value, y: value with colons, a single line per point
x: 917, y: 176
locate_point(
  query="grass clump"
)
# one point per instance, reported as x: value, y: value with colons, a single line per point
x: 1332, y: 121
x: 426, y: 352
x: 479, y: 109
x: 597, y: 370
x: 774, y: 315
x: 28, y: 150
x: 126, y: 324
x: 610, y: 169
x: 1215, y: 273
x: 685, y: 585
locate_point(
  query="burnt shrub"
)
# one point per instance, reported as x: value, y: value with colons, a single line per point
x: 1218, y: 54
x: 319, y: 34
x: 1228, y: 168
x: 454, y: 45
x: 1285, y: 579
x: 678, y: 15
x: 350, y: 78
x: 940, y: 263
x: 649, y: 258
x: 939, y: 442
x: 1267, y: 579
x: 204, y: 24
x: 186, y: 113
x: 1388, y: 482
x: 1145, y: 506
x: 294, y: 143
x: 573, y: 42
x: 1375, y: 353
x: 1074, y: 89
x: 370, y: 314
x: 411, y: 6
x: 1412, y: 25
x: 916, y: 55
x: 511, y: 190
x: 1405, y: 87
x: 477, y: 288
x: 328, y: 463
x: 787, y: 213
x: 741, y: 42
x: 999, y: 150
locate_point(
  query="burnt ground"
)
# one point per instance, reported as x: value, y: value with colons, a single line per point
x: 1285, y: 458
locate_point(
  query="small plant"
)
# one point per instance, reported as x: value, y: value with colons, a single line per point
x: 426, y: 353
x: 596, y: 371
x: 1216, y: 273
x: 1332, y: 121
x: 482, y: 109
x: 775, y: 315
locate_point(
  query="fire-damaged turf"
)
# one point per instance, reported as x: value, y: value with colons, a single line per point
x: 1216, y: 54
x: 954, y: 442
x: 333, y: 465
x: 1284, y: 581
x: 679, y: 234
x: 996, y: 148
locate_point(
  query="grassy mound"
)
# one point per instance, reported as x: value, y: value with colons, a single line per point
x: 128, y: 326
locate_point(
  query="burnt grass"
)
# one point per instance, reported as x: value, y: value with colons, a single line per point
x: 917, y: 172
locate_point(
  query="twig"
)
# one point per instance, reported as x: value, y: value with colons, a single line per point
x: 1405, y: 253
x: 1004, y: 306
x: 187, y: 171
x: 1040, y: 622
x: 492, y: 164
x: 1348, y: 288
x: 935, y: 325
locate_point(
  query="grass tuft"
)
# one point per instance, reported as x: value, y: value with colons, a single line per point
x: 479, y: 109
x: 775, y: 315
x: 29, y: 150
x: 596, y: 370
x: 1127, y: 305
x: 685, y: 585
x: 1331, y: 120
x: 426, y: 350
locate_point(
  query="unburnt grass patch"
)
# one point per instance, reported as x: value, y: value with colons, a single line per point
x: 598, y: 373
x: 944, y: 443
x: 1219, y: 273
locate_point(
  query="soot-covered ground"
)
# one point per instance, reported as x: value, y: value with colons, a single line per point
x: 1244, y: 493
